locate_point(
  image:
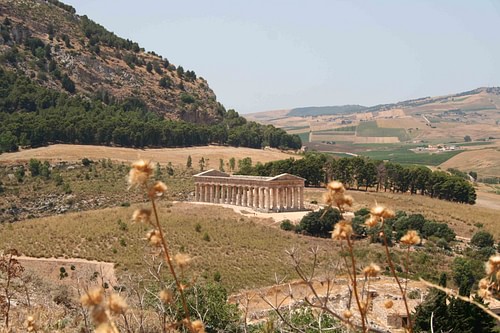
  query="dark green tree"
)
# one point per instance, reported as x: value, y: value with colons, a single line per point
x: 434, y: 305
x: 482, y: 239
x: 319, y: 223
x: 189, y: 162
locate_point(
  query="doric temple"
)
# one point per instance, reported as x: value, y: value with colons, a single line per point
x: 281, y: 193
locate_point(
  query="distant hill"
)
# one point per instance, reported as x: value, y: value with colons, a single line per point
x: 324, y: 110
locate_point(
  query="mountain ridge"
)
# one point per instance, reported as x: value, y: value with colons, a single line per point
x: 353, y: 108
x: 48, y: 41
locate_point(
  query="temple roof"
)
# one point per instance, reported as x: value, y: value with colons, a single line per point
x: 215, y: 173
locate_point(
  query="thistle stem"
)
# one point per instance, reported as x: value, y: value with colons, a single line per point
x: 171, y: 267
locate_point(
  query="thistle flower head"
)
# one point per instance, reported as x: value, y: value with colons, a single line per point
x: 348, y: 200
x: 388, y: 304
x: 142, y: 215
x: 139, y: 173
x: 166, y: 296
x: 381, y: 211
x: 117, y: 304
x: 411, y: 238
x: 335, y: 186
x: 182, y: 260
x: 493, y: 264
x: 342, y: 230
x: 157, y: 189
x: 154, y: 237
x: 198, y: 326
x: 92, y: 297
x: 371, y: 270
x: 372, y: 221
x: 347, y: 314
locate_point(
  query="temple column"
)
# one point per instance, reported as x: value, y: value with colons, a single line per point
x: 256, y: 202
x: 243, y: 196
x: 196, y: 196
x: 267, y: 199
x: 301, y: 197
x: 263, y: 205
x: 282, y: 199
x: 205, y: 193
x: 250, y: 197
x: 229, y: 195
x: 261, y: 198
x: 217, y: 193
x: 289, y: 197
x: 235, y: 192
x: 295, y: 198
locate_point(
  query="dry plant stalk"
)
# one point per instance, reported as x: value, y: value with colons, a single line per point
x: 139, y: 177
x: 343, y: 232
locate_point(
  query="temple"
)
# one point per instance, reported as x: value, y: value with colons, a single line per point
x: 281, y: 193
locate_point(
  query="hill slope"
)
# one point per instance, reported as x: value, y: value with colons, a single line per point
x: 52, y: 45
x: 66, y: 79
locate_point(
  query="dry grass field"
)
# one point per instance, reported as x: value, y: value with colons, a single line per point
x: 407, y: 122
x: 177, y: 156
x: 247, y: 252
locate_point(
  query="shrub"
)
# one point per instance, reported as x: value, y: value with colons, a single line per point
x: 319, y: 223
x: 287, y: 225
x: 482, y: 239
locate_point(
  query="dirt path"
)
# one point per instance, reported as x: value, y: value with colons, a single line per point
x: 78, y: 270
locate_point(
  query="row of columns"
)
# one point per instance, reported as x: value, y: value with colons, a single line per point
x: 279, y: 198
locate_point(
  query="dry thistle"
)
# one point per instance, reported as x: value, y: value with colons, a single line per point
x: 117, y: 304
x: 383, y: 212
x: 198, y: 326
x: 154, y: 237
x: 30, y: 324
x: 166, y: 296
x: 411, y: 238
x: 92, y: 297
x: 347, y: 314
x: 157, y: 189
x: 142, y: 215
x: 342, y: 230
x: 372, y: 221
x: 493, y: 264
x: 182, y: 260
x: 140, y: 173
x: 371, y: 270
x: 335, y: 186
x: 388, y: 304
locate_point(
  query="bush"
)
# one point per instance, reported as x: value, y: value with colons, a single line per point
x: 287, y: 225
x: 320, y: 223
x: 482, y: 239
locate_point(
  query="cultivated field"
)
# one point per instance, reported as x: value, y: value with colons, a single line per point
x: 177, y: 156
x: 486, y: 162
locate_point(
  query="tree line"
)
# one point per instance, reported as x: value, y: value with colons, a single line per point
x: 31, y: 115
x: 364, y: 173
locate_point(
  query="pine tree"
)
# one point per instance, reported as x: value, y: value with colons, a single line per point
x: 433, y: 306
x: 189, y: 162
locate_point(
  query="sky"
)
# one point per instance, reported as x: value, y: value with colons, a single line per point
x: 260, y: 55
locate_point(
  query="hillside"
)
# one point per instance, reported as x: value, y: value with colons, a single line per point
x: 428, y: 130
x: 66, y: 79
x: 49, y: 43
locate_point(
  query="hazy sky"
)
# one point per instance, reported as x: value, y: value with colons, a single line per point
x: 262, y: 55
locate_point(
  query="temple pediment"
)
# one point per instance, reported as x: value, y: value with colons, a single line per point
x: 212, y: 173
x: 285, y: 176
